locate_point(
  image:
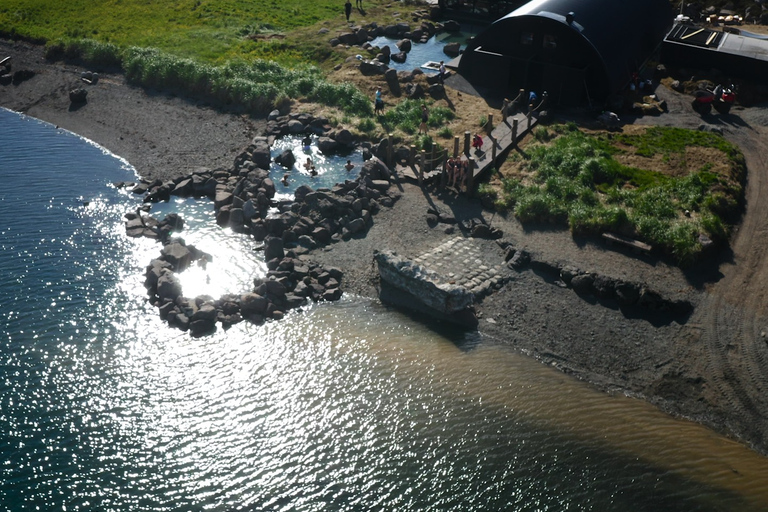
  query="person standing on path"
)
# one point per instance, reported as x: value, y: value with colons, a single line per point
x: 348, y: 9
x: 424, y: 119
x: 359, y: 4
x: 378, y: 103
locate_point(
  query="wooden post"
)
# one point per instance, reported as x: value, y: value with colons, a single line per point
x: 421, y: 167
x: 455, y: 146
x: 390, y: 150
x: 514, y: 131
x: 444, y: 173
x: 467, y: 135
x: 433, y: 159
x: 529, y: 120
x: 493, y: 150
x: 471, y: 176
x: 412, y: 156
x: 489, y: 125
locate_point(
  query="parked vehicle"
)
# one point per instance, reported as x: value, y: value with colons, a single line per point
x: 721, y: 98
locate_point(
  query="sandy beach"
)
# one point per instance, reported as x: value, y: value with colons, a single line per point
x: 711, y: 366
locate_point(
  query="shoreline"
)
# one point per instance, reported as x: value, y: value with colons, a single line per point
x: 688, y: 369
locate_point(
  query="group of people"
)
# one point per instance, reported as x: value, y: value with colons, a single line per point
x: 457, y: 171
x: 309, y: 166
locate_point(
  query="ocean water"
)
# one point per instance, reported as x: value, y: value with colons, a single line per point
x: 338, y: 407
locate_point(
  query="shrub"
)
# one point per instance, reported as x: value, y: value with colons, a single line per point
x: 535, y: 205
x: 366, y: 125
x: 684, y: 243
x: 542, y: 134
x: 406, y: 116
x: 577, y: 181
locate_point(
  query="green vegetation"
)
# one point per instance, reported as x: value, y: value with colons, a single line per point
x: 207, y: 30
x: 576, y: 180
x: 224, y: 50
x: 674, y: 140
x: 406, y: 116
x: 257, y: 86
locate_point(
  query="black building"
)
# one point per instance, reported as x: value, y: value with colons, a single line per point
x: 576, y: 50
x: 734, y: 52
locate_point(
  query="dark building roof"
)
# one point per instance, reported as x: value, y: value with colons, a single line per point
x: 592, y: 45
x: 738, y: 55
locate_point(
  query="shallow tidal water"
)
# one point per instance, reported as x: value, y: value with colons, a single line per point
x: 348, y: 406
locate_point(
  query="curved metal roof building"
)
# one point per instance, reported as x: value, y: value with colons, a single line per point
x: 573, y: 49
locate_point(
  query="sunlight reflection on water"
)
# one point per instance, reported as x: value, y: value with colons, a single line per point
x: 345, y: 406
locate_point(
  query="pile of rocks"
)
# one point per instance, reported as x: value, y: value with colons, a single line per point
x: 243, y: 198
x: 7, y: 77
x: 378, y: 64
x: 329, y: 140
x: 288, y: 284
x: 594, y: 284
x: 361, y: 35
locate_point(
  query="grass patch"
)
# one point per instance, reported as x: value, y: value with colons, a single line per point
x: 208, y: 30
x: 406, y: 116
x: 575, y: 180
x: 666, y: 140
x: 256, y: 86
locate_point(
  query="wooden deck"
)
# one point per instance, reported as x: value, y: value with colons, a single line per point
x: 503, y: 136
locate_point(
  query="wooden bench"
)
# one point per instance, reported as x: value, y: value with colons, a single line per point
x: 636, y: 245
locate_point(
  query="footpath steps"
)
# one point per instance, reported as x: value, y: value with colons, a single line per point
x: 503, y: 137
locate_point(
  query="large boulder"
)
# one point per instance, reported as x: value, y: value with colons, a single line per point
x: 168, y: 286
x: 253, y: 304
x: 349, y: 38
x: 404, y: 45
x: 399, y: 57
x: 295, y: 126
x: 361, y: 36
x: 452, y: 49
x: 344, y: 137
x: 78, y: 96
x: 392, y: 82
x: 261, y: 155
x: 375, y: 170
x: 451, y: 26
x: 414, y: 91
x: 326, y: 145
x: 286, y: 159
x: 177, y: 254
x: 437, y: 91
x: 372, y: 67
x: 273, y: 248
